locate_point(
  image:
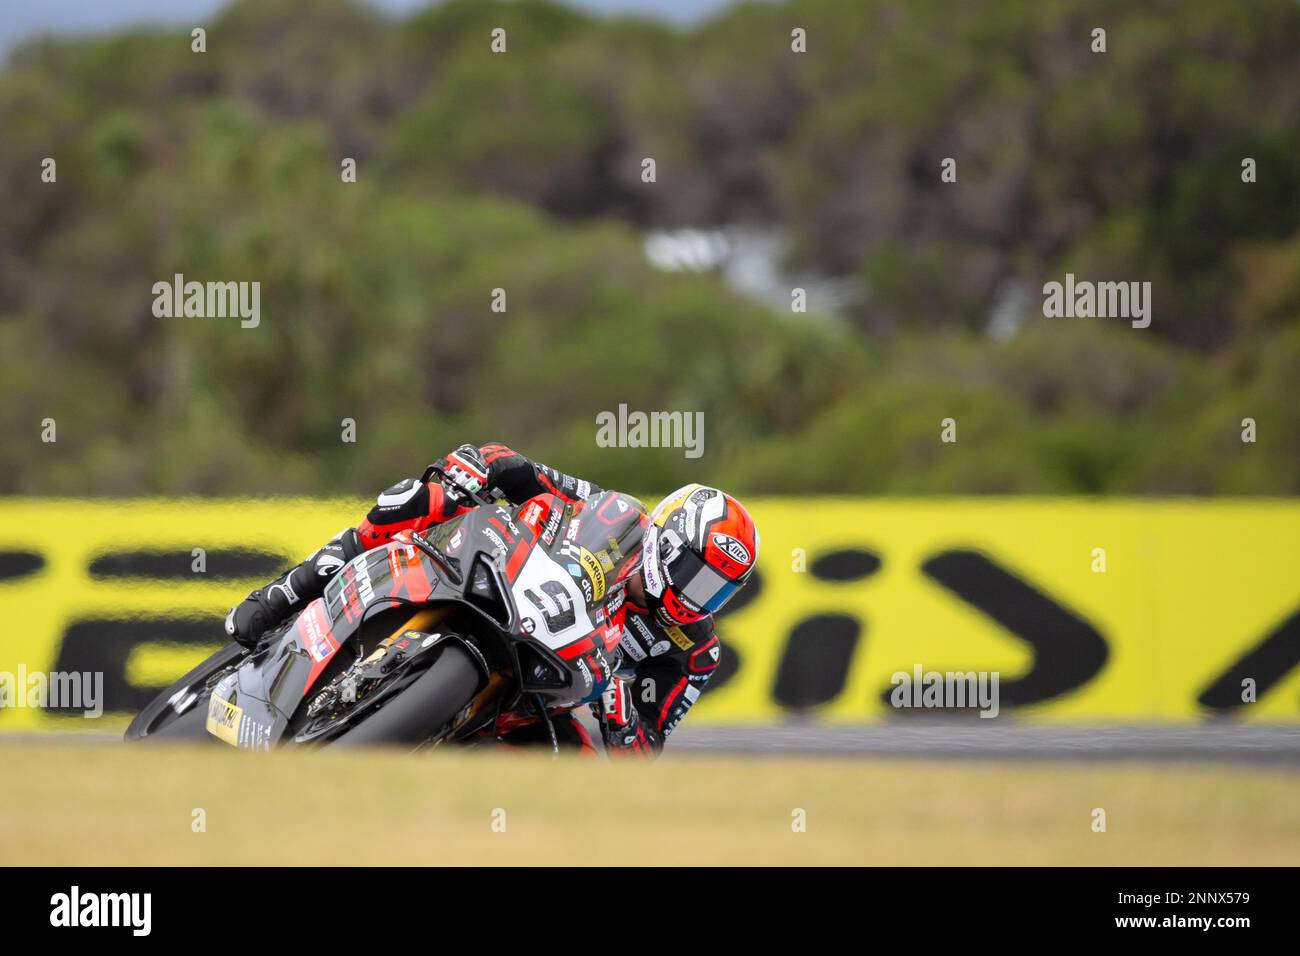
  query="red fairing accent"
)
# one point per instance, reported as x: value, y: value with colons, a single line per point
x: 583, y: 645
x: 534, y: 513
x: 409, y: 575
x: 517, y: 559
x: 315, y: 635
x: 612, y: 629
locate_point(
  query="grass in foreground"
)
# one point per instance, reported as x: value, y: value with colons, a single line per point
x: 78, y: 803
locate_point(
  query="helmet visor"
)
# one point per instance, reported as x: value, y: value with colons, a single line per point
x: 699, y: 585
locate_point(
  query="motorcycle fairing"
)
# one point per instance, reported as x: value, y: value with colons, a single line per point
x: 253, y: 706
x: 568, y: 594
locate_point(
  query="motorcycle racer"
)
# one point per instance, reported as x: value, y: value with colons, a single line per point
x: 699, y: 548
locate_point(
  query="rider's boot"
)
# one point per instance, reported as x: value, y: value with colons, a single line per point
x: 268, y: 606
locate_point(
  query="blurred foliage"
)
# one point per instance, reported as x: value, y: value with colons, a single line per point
x: 522, y: 171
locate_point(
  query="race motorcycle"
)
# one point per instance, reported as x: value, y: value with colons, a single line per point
x: 502, y: 616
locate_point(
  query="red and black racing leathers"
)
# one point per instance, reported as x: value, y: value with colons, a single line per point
x: 659, y: 672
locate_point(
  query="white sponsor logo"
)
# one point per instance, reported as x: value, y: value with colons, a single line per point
x: 399, y: 494
x: 654, y: 583
x: 629, y: 644
x: 731, y: 547
x: 327, y: 565
x: 318, y: 644
x: 290, y: 596
x: 365, y: 589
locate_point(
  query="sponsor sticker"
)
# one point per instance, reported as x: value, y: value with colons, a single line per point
x: 731, y: 547
x: 679, y: 638
x: 320, y: 644
x: 630, y: 644
x: 223, y: 720
x: 552, y: 526
x: 595, y: 573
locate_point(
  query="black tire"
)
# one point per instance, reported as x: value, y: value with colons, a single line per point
x: 158, y: 722
x: 191, y: 726
x: 417, y: 712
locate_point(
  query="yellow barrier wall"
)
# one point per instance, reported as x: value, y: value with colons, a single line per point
x: 1194, y: 597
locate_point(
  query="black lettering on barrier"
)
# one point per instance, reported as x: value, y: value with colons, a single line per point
x: 1267, y: 663
x: 105, y: 646
x: 847, y: 564
x: 222, y: 564
x: 19, y: 564
x: 815, y: 665
x: 729, y: 660
x: 1068, y: 651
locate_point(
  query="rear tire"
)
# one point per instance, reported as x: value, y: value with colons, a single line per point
x: 419, y: 711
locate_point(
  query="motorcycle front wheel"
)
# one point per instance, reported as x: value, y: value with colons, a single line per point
x: 424, y: 708
x: 160, y: 719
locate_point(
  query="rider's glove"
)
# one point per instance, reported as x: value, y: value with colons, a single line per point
x: 464, y: 473
x: 619, y: 726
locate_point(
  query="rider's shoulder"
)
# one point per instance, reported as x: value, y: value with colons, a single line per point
x: 693, y: 647
x: 691, y: 636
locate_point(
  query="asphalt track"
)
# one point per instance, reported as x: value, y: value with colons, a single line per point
x: 935, y: 738
x: 1271, y: 745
